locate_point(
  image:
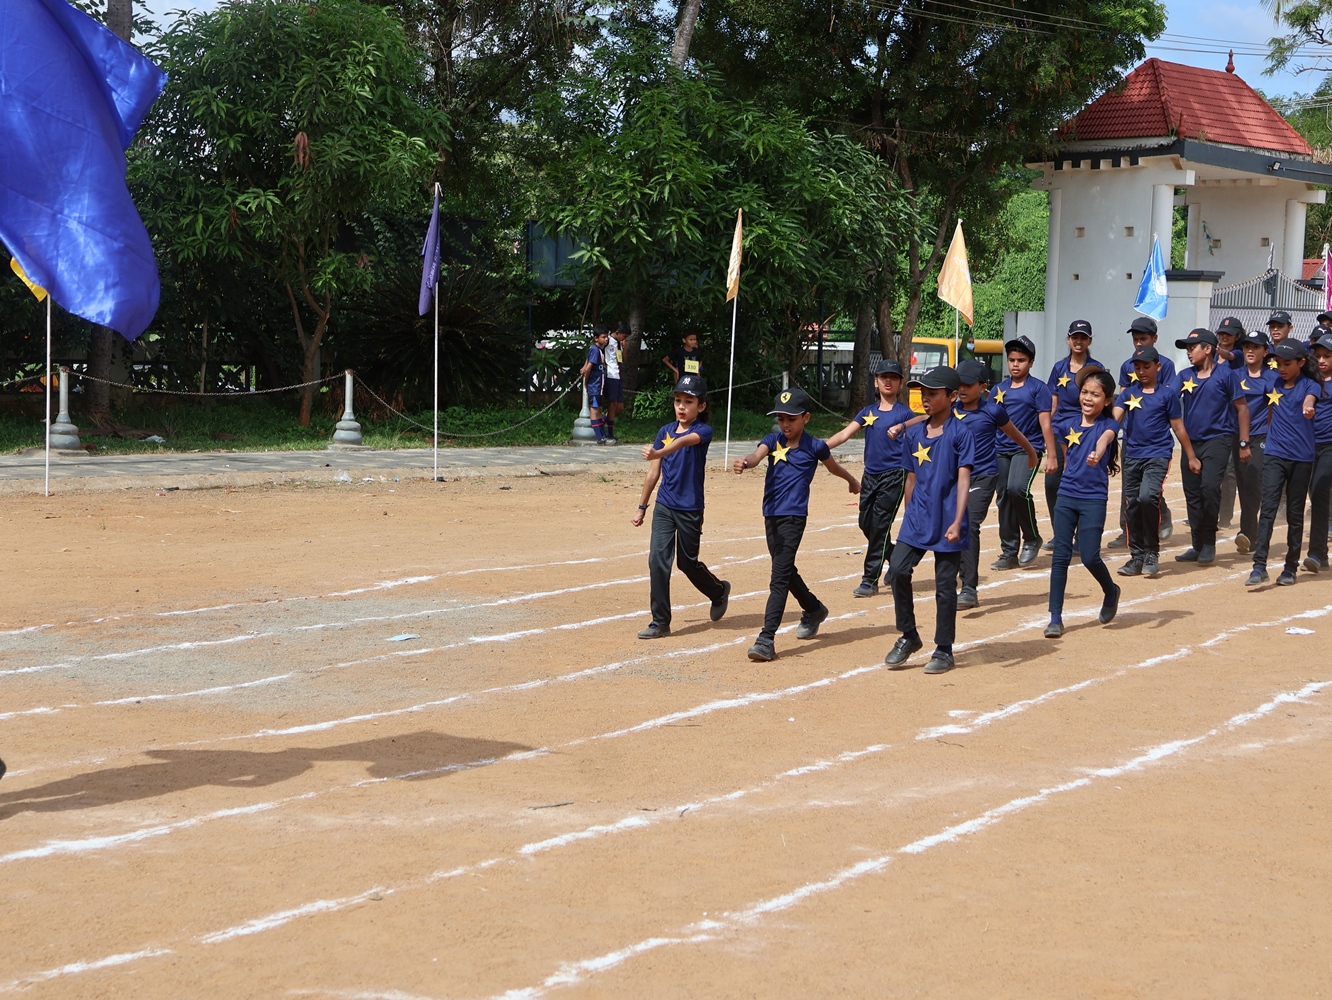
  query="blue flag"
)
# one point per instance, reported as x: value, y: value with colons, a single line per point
x: 430, y: 259
x: 1153, y: 297
x: 72, y: 95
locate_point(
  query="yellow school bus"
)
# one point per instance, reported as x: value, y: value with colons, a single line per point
x: 930, y: 352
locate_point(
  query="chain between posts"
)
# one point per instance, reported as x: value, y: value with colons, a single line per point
x: 188, y: 392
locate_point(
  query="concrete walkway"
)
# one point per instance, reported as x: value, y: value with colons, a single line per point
x: 23, y: 473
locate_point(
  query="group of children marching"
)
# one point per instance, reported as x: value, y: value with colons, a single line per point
x: 1251, y: 408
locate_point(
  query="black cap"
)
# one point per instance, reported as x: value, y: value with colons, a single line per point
x: 941, y: 377
x: 1258, y: 338
x: 692, y: 385
x: 1325, y: 318
x: 1198, y: 335
x: 971, y: 372
x: 1323, y: 340
x: 889, y: 367
x: 1143, y: 324
x: 1231, y: 325
x: 1280, y: 316
x: 1022, y: 344
x: 1320, y: 332
x: 1291, y: 349
x: 1146, y: 353
x: 1080, y: 326
x: 1086, y: 372
x: 792, y: 402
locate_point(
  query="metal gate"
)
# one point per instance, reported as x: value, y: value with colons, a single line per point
x: 1252, y: 301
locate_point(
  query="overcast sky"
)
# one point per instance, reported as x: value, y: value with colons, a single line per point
x: 1240, y: 24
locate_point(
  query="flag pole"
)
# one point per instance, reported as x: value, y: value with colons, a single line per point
x: 48, y: 395
x: 435, y: 296
x: 730, y: 382
x: 957, y: 335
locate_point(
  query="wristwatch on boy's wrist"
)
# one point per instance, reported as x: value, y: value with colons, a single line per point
x: 1244, y: 444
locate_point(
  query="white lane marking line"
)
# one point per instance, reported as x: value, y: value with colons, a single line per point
x: 74, y: 968
x: 262, y: 924
x: 357, y: 994
x: 575, y: 973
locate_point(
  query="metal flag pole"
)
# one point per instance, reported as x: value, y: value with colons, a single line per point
x: 957, y: 335
x: 48, y: 395
x: 730, y: 383
x: 435, y: 478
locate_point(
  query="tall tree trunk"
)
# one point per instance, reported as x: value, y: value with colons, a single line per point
x: 633, y: 346
x: 684, y: 32
x: 860, y: 356
x: 885, y: 314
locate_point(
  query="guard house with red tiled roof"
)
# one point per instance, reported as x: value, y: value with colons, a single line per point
x: 1170, y: 136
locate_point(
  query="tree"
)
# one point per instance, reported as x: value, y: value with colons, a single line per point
x: 280, y: 125
x: 1307, y: 23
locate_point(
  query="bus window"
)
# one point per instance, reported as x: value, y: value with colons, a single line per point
x: 927, y: 356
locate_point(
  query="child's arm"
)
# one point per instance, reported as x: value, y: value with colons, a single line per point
x: 1242, y: 407
x: 844, y: 435
x: 649, y: 484
x: 1102, y: 443
x: 954, y: 531
x: 1309, y: 401
x: 901, y: 428
x: 650, y: 451
x: 835, y: 467
x: 587, y: 367
x: 1177, y: 424
x: 1119, y: 413
x: 1047, y: 432
x: 910, y: 487
x: 674, y: 371
x: 1020, y: 439
x: 752, y: 459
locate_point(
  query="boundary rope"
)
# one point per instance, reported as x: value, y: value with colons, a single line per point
x: 187, y: 392
x: 457, y: 434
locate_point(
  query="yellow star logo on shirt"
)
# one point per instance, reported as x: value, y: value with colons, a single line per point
x: 667, y: 440
x: 1073, y: 437
x: 1063, y: 381
x: 1135, y: 402
x: 921, y: 454
x: 779, y: 452
x: 868, y: 419
x: 1188, y: 386
x: 998, y: 395
x: 1244, y: 385
x: 1274, y: 398
x: 1133, y: 377
x: 1271, y: 363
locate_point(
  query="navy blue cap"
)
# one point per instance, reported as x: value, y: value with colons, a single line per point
x: 1279, y: 316
x: 941, y: 377
x: 1080, y: 326
x: 1258, y: 338
x: 889, y: 367
x: 1231, y: 325
x: 1146, y: 353
x: 692, y: 385
x: 1143, y: 324
x: 1321, y: 336
x: 1198, y: 335
x: 792, y: 402
x: 970, y: 372
x: 1291, y: 349
x: 1022, y: 344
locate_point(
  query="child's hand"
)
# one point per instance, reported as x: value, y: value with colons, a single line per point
x: 649, y: 452
x: 1093, y: 459
x: 638, y: 521
x: 953, y: 533
x: 853, y: 485
x: 1051, y: 463
x: 1195, y: 465
x: 739, y: 466
x: 1308, y: 409
x: 1033, y: 459
x: 895, y: 431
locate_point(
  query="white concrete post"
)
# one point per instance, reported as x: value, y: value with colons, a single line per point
x: 64, y: 435
x: 1194, y: 232
x: 1163, y: 217
x: 1292, y: 250
x: 582, y: 428
x: 347, y: 432
x: 1052, y: 270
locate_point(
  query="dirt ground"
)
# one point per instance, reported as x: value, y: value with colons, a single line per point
x: 227, y: 779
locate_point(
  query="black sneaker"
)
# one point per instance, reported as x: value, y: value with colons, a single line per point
x: 1048, y: 546
x: 1167, y: 529
x: 1286, y: 579
x: 1188, y: 555
x: 719, y: 605
x: 901, y: 651
x: 1030, y: 550
x: 1054, y: 630
x: 1005, y: 561
x: 1313, y: 565
x: 966, y: 600
x: 810, y: 622
x: 1120, y: 541
x: 762, y: 651
x: 1207, y: 554
x: 1150, y: 565
x: 1131, y: 568
x: 1110, y: 607
x: 1242, y: 543
x: 1256, y: 577
x: 940, y: 662
x: 866, y: 590
x: 655, y: 631
x: 2, y: 768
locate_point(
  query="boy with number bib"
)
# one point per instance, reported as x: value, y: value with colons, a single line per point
x: 793, y: 458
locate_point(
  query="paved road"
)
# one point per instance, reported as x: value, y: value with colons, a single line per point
x: 23, y: 473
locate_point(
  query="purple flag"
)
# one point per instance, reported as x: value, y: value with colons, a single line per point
x: 430, y: 259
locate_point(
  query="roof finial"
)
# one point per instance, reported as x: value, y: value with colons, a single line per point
x: 1230, y: 63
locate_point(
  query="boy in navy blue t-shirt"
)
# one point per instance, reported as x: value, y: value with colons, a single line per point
x: 793, y: 458
x: 1143, y: 332
x: 1289, y: 458
x: 1256, y: 381
x: 679, y: 456
x: 1320, y: 481
x: 594, y: 370
x: 942, y: 454
x: 1028, y: 402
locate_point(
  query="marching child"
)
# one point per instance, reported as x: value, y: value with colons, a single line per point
x: 1064, y: 402
x: 1289, y: 459
x: 1149, y: 411
x: 1143, y: 332
x: 594, y: 370
x: 1256, y: 381
x: 941, y: 454
x: 885, y: 471
x: 1090, y: 459
x: 1027, y: 401
x: 1320, y: 482
x: 678, y: 459
x: 793, y: 458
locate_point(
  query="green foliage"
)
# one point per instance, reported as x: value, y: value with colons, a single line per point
x: 1310, y: 116
x: 1306, y: 24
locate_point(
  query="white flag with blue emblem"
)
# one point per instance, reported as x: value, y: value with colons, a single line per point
x: 1152, y: 294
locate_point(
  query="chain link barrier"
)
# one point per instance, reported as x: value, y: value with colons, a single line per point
x: 458, y: 434
x: 187, y: 392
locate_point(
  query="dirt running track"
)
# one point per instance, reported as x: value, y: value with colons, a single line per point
x: 226, y: 781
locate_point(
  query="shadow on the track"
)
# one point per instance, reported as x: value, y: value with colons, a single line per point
x: 409, y: 756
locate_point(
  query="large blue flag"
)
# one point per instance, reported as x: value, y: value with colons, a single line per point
x: 72, y: 95
x: 430, y: 259
x: 1153, y: 296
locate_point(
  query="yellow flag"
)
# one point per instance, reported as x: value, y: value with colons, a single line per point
x: 36, y: 290
x: 955, y: 276
x: 733, y: 269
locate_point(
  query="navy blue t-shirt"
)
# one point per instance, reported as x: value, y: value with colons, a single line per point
x: 984, y: 423
x: 1147, y: 417
x: 1128, y: 377
x: 1290, y: 435
x: 933, y: 505
x: 1255, y: 389
x: 1208, y: 403
x: 790, y: 471
x: 1081, y: 481
x: 1024, y: 404
x: 1064, y: 385
x: 682, y: 470
x: 598, y: 372
x: 882, y: 453
x: 1322, y: 420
